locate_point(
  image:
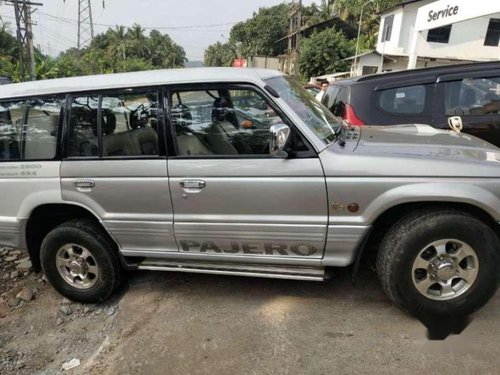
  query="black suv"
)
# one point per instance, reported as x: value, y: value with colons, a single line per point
x: 468, y: 92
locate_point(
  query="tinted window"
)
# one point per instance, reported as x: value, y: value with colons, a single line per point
x: 338, y: 99
x: 439, y: 34
x: 473, y: 96
x: 493, y: 33
x: 222, y: 122
x: 11, y: 124
x: 388, y: 22
x: 408, y: 100
x: 129, y: 124
x: 331, y: 96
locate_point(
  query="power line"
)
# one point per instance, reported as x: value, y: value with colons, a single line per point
x: 69, y: 20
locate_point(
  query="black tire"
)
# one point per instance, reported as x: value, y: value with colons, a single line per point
x: 406, y: 239
x: 89, y: 235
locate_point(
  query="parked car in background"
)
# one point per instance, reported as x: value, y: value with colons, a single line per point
x: 4, y: 81
x: 470, y: 93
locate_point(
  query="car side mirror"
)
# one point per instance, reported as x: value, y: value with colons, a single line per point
x: 279, y: 134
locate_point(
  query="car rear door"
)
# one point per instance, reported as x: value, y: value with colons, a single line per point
x: 115, y: 166
x: 231, y: 199
x: 475, y: 99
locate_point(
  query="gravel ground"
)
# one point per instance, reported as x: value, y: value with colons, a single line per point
x: 167, y: 323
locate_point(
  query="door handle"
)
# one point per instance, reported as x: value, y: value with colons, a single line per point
x: 84, y: 185
x: 192, y: 184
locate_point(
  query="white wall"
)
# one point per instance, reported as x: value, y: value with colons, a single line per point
x: 398, y: 63
x: 466, y: 38
x: 390, y: 46
x: 466, y: 42
x: 371, y: 59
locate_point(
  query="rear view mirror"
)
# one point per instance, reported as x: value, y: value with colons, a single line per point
x: 279, y: 135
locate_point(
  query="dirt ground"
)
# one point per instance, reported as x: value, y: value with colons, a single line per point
x: 168, y: 323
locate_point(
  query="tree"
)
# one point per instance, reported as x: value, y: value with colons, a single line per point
x: 164, y: 52
x: 137, y: 41
x: 118, y: 43
x: 323, y: 53
x: 259, y: 35
x: 219, y: 54
x: 349, y: 11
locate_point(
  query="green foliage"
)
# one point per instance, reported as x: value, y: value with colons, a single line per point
x: 258, y: 35
x: 350, y: 10
x: 219, y: 54
x: 120, y: 49
x: 323, y: 53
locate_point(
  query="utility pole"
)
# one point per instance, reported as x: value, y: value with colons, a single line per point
x: 22, y: 11
x: 295, y: 25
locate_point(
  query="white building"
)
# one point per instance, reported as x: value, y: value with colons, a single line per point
x: 474, y: 39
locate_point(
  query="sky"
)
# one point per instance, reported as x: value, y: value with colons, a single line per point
x: 194, y: 24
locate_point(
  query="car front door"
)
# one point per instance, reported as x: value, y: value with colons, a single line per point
x: 231, y: 199
x: 475, y: 100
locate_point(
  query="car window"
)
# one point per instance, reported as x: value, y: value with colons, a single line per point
x: 40, y: 136
x: 129, y: 124
x: 331, y: 96
x: 221, y: 122
x: 479, y: 96
x: 28, y: 129
x: 11, y: 124
x: 82, y: 139
x: 314, y: 115
x: 404, y: 100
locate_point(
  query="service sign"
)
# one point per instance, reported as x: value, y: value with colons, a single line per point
x: 446, y: 12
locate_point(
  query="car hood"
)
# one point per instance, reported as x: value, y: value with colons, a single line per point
x: 423, y: 141
x: 411, y: 150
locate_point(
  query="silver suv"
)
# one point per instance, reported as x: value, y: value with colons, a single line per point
x: 240, y: 172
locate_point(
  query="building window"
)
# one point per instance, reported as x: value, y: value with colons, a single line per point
x: 493, y: 34
x: 439, y: 34
x: 387, y: 31
x: 368, y: 69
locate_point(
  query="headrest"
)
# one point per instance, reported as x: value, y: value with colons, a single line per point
x: 219, y: 109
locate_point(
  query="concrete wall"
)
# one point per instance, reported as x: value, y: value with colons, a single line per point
x: 399, y: 63
x: 264, y: 62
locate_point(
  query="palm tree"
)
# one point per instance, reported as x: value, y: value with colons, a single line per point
x: 165, y: 52
x: 118, y: 43
x: 138, y: 41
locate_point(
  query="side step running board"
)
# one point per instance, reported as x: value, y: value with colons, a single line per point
x: 250, y: 270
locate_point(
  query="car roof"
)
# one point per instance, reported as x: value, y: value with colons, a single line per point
x: 135, y: 79
x: 428, y: 73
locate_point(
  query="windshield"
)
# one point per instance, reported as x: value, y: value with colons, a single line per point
x: 316, y: 116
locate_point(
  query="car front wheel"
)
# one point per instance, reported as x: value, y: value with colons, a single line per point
x: 439, y: 262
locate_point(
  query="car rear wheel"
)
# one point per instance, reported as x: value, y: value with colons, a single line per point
x: 439, y: 262
x: 79, y: 261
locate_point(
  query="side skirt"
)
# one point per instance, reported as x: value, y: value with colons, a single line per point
x: 249, y: 270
